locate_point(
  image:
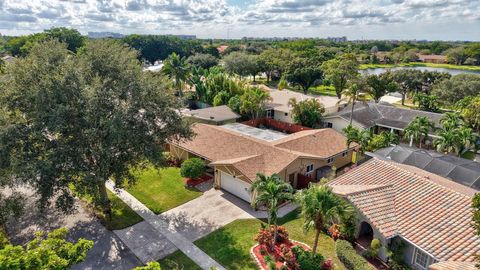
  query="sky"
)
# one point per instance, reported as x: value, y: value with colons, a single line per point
x: 356, y: 19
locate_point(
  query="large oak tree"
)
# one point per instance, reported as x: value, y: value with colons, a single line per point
x: 83, y: 119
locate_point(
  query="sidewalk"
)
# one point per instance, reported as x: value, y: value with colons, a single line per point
x: 162, y: 227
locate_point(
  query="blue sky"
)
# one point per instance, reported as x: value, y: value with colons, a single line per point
x: 356, y: 19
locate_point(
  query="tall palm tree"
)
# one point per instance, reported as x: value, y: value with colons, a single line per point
x: 176, y: 68
x: 351, y: 94
x: 271, y: 191
x: 418, y: 129
x: 320, y: 205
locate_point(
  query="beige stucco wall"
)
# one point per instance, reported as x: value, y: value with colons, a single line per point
x: 280, y: 116
x: 339, y: 123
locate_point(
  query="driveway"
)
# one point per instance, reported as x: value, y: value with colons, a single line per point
x: 108, y: 251
x: 211, y: 211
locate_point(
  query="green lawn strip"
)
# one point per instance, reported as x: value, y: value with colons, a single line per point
x: 161, y: 190
x: 323, y: 90
x: 469, y: 155
x: 122, y: 215
x: 230, y: 245
x: 415, y: 64
x: 178, y: 260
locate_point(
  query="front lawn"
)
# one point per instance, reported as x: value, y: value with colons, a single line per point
x: 178, y: 260
x: 161, y: 190
x: 122, y: 215
x: 230, y: 245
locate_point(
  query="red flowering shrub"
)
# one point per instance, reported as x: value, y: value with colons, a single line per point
x: 334, y: 231
x: 327, y: 265
x: 265, y: 238
x: 282, y: 234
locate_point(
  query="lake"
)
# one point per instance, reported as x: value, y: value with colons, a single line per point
x: 452, y: 72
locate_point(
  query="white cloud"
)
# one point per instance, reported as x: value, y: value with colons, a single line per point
x: 217, y: 18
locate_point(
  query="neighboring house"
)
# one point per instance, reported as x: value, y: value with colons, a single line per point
x: 221, y: 49
x: 460, y: 170
x: 430, y: 214
x: 279, y: 109
x: 217, y: 115
x: 237, y: 152
x: 432, y: 58
x: 385, y: 116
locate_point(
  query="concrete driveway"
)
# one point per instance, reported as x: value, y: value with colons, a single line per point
x: 211, y: 211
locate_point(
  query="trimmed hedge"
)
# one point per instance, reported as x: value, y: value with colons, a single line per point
x: 349, y: 257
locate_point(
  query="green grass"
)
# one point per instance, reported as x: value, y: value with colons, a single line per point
x: 161, y: 190
x: 323, y: 90
x: 469, y: 155
x: 178, y: 260
x: 230, y: 245
x: 415, y: 64
x: 122, y: 215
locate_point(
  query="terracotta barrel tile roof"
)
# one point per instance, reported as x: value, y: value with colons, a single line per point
x: 430, y: 212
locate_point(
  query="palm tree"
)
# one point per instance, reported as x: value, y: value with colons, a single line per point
x: 352, y: 134
x: 271, y: 191
x: 448, y: 141
x: 418, y: 129
x: 176, y: 68
x: 320, y: 205
x: 451, y: 120
x: 466, y: 139
x: 351, y: 94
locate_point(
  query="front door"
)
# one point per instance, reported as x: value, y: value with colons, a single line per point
x: 291, y: 179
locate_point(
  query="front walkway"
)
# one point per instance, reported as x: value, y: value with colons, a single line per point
x: 164, y: 230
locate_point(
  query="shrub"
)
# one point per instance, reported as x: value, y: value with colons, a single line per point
x: 347, y: 255
x: 192, y: 168
x: 288, y: 256
x: 264, y: 237
x: 150, y: 266
x: 270, y: 262
x: 327, y: 265
x: 305, y: 259
x: 375, y: 246
x: 3, y: 238
x: 263, y: 251
x: 334, y: 231
x: 282, y: 233
x: 284, y: 267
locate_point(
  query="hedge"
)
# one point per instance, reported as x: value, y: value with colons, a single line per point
x: 349, y: 257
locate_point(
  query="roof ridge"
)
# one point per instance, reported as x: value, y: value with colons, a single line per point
x: 373, y: 188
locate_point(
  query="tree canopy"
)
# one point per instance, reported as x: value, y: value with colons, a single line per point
x: 83, y: 119
x: 340, y: 71
x: 456, y: 88
x: 51, y: 252
x: 307, y: 113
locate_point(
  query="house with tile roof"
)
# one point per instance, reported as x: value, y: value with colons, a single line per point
x: 429, y: 213
x: 378, y: 115
x: 280, y: 109
x: 237, y: 152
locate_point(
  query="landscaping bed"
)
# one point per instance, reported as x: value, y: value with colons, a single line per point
x: 189, y: 182
x: 260, y: 251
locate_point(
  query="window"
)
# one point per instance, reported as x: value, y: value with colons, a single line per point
x: 310, y: 168
x: 330, y: 160
x: 344, y: 154
x: 421, y: 259
x: 286, y: 114
x: 329, y: 125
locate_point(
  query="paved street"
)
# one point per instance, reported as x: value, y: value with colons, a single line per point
x: 108, y: 251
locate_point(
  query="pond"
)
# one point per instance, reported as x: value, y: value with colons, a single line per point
x: 452, y: 72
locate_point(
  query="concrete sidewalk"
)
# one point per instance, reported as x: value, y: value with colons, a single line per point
x: 164, y: 230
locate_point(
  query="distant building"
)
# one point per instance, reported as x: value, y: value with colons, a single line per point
x: 222, y: 48
x: 337, y: 39
x: 189, y: 37
x: 432, y: 58
x: 105, y: 35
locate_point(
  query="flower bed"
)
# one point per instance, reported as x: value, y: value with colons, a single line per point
x: 193, y: 182
x: 276, y: 254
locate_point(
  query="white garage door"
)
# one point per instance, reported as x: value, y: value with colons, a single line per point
x: 235, y: 186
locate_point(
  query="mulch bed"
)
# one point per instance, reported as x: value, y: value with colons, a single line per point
x: 276, y: 253
x: 193, y: 182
